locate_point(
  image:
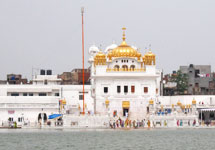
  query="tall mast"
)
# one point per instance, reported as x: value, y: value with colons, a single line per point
x: 82, y: 14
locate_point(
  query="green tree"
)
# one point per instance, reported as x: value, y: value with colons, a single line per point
x: 181, y: 80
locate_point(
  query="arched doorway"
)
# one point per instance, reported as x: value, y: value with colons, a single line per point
x: 42, y: 116
x: 132, y: 67
x: 125, y: 68
x: 116, y: 68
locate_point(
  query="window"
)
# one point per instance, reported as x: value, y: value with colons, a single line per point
x: 132, y: 89
x: 147, y: 110
x: 156, y: 90
x: 31, y: 94
x: 197, y: 72
x: 45, y: 82
x: 118, y: 89
x: 42, y: 94
x: 10, y: 119
x: 19, y: 119
x: 57, y: 94
x: 82, y: 92
x: 105, y: 89
x: 145, y: 89
x: 25, y: 94
x: 126, y: 89
x: 80, y: 97
x: 14, y: 94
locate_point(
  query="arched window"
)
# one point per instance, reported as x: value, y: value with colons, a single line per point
x: 132, y: 67
x: 125, y: 68
x: 116, y: 68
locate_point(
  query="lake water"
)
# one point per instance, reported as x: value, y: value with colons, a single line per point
x: 155, y: 139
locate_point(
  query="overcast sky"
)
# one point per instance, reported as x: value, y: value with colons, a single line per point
x: 47, y: 33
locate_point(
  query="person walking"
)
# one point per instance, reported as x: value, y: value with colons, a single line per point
x: 149, y: 123
x: 177, y: 122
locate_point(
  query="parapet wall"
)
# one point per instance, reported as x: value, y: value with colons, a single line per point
x: 186, y: 100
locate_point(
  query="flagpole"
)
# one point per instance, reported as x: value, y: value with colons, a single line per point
x: 82, y: 14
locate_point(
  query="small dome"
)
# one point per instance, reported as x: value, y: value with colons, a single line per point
x: 93, y: 50
x: 149, y: 54
x: 110, y: 48
x: 138, y: 54
x: 100, y: 55
x: 100, y: 58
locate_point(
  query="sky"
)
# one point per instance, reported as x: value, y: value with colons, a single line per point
x: 46, y: 34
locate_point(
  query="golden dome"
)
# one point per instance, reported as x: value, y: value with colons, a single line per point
x: 124, y: 50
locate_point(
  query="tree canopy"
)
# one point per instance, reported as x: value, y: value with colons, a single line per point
x: 181, y: 80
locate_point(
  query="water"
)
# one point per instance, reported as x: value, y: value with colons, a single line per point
x: 163, y: 139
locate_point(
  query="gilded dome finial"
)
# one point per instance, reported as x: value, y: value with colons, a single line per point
x: 123, y: 35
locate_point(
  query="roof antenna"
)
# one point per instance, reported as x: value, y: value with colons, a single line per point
x: 150, y: 48
x: 145, y: 49
x: 100, y: 47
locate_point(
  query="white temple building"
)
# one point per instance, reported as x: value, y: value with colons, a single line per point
x: 123, y: 80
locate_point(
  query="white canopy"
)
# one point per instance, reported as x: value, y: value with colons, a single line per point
x: 209, y: 109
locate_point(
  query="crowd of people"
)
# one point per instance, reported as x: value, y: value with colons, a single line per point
x: 127, y: 123
x: 180, y: 123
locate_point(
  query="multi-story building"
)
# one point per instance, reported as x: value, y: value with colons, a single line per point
x: 45, y: 96
x: 199, y: 77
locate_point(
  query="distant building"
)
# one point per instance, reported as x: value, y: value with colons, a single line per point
x: 16, y: 79
x: 169, y: 87
x: 46, y: 78
x: 66, y: 78
x: 75, y: 77
x: 212, y: 85
x: 199, y: 78
x: 3, y: 82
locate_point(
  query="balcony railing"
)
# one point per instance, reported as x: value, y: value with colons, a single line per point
x: 126, y: 69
